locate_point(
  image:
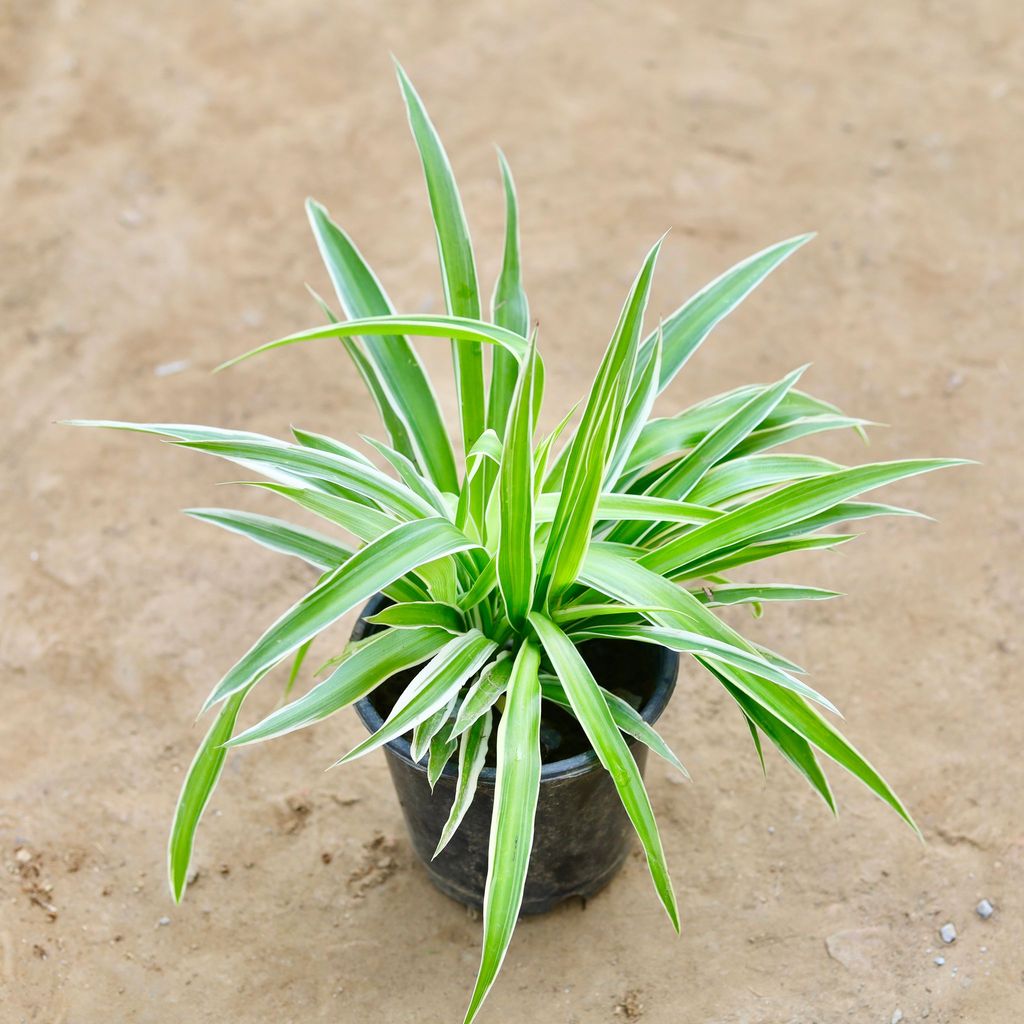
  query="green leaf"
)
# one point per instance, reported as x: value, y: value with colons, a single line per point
x: 669, y: 435
x: 370, y: 663
x: 576, y: 611
x: 593, y: 445
x: 277, y: 535
x: 791, y: 745
x: 780, y: 508
x: 514, y: 559
x: 778, y: 660
x: 293, y: 675
x: 729, y: 480
x: 757, y: 552
x: 616, y: 575
x: 323, y: 443
x: 626, y: 717
x: 364, y: 522
x: 442, y: 746
x: 688, y: 326
x: 472, y: 755
x: 756, y: 737
x: 426, y: 730
x: 741, y: 593
x: 310, y: 463
x: 543, y: 481
x: 199, y: 784
x: 461, y: 328
x: 719, y: 643
x: 192, y: 432
x: 591, y: 710
x: 516, y: 789
x: 407, y: 472
x: 488, y: 446
x: 413, y: 614
x: 682, y: 477
x: 482, y: 586
x: 640, y: 507
x: 483, y: 693
x: 359, y: 519
x: 455, y: 253
x: 432, y: 688
x: 794, y: 713
x: 638, y: 408
x: 402, y: 376
x: 382, y: 561
x: 509, y: 309
x: 397, y: 429
x: 771, y: 437
x: 181, y: 431
x: 844, y: 512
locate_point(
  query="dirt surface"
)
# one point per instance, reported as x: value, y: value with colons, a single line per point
x: 155, y: 159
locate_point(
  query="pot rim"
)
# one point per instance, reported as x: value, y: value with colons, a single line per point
x: 667, y: 672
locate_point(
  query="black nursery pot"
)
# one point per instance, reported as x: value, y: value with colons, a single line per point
x: 582, y: 835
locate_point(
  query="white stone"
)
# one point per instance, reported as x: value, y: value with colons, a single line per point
x: 169, y: 369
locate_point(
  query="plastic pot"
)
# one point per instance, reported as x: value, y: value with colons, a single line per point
x: 582, y: 835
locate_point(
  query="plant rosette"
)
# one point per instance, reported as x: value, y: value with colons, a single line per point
x: 503, y: 568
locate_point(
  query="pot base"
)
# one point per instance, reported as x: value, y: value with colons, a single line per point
x: 472, y: 898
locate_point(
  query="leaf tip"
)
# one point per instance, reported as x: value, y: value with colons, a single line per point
x: 798, y: 240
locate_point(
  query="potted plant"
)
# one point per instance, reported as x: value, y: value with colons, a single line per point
x: 526, y: 614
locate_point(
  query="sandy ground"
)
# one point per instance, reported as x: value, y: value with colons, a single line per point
x: 155, y: 159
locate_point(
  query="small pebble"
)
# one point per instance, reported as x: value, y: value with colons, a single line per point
x: 939, y: 961
x: 169, y: 369
x: 130, y: 217
x: 897, y: 1016
x: 984, y: 910
x: 164, y: 921
x: 948, y: 933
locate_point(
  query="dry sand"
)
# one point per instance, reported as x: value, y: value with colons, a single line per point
x: 155, y: 159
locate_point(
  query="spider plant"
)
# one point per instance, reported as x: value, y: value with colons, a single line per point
x: 501, y: 561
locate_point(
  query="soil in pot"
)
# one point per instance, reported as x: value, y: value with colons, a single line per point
x: 627, y: 669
